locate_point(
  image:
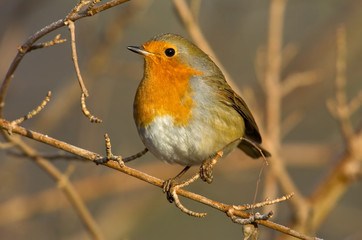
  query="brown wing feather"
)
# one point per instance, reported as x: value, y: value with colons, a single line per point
x: 234, y: 100
x: 230, y: 98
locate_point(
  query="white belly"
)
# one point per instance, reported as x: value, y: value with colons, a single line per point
x: 185, y: 145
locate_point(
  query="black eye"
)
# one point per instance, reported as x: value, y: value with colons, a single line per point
x: 170, y: 52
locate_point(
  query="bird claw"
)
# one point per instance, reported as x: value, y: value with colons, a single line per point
x: 206, y: 171
x: 170, y: 188
x: 207, y: 165
x: 167, y: 188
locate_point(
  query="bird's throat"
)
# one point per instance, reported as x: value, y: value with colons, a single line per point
x: 165, y: 91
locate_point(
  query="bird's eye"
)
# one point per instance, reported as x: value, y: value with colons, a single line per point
x: 170, y: 52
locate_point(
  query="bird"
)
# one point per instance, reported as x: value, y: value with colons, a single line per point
x: 184, y: 109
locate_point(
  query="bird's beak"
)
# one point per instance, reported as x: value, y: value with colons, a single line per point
x: 138, y: 50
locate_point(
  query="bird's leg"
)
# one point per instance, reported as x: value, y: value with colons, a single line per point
x: 207, y: 165
x: 170, y: 183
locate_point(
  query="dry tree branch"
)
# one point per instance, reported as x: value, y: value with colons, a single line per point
x: 348, y: 168
x: 85, y: 93
x: 50, y: 156
x: 55, y: 41
x: 339, y: 108
x: 297, y: 80
x: 291, y: 121
x: 195, y: 32
x: 71, y: 28
x: 86, y: 112
x: 33, y: 112
x: 137, y: 155
x: 29, y: 43
x: 6, y: 125
x: 262, y: 204
x: 62, y: 179
x: 274, y: 93
x: 65, y: 185
x: 28, y: 46
x: 74, y: 15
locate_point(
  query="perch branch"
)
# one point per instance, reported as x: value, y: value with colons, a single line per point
x: 6, y: 125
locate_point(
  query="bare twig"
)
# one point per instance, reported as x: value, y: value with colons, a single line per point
x: 6, y: 125
x: 274, y: 94
x: 109, y: 153
x: 297, y: 80
x: 71, y: 28
x: 55, y: 41
x: 26, y: 47
x: 291, y: 121
x: 348, y: 168
x: 92, y: 4
x: 135, y: 156
x: 33, y: 112
x: 50, y: 156
x: 65, y: 185
x: 339, y: 108
x: 195, y: 32
x: 253, y: 218
x: 86, y: 112
x: 262, y: 204
x: 105, y: 6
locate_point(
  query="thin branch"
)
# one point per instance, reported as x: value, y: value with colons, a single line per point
x: 135, y: 156
x: 6, y: 125
x: 347, y: 170
x: 297, y: 80
x: 339, y: 107
x: 63, y: 183
x: 86, y: 112
x: 33, y: 112
x: 105, y: 7
x: 50, y: 156
x: 252, y: 219
x: 71, y: 28
x: 76, y: 9
x: 195, y: 32
x: 55, y: 41
x: 6, y: 145
x: 355, y: 103
x: 26, y: 47
x: 274, y: 96
x: 262, y: 204
x: 92, y: 4
x: 291, y: 121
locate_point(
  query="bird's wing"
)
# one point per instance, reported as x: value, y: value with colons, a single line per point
x: 234, y: 100
x: 230, y: 98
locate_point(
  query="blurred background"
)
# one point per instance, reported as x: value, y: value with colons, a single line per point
x: 33, y: 207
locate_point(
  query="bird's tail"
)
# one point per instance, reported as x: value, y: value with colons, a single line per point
x: 252, y: 149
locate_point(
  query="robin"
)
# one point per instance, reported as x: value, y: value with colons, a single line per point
x: 184, y: 109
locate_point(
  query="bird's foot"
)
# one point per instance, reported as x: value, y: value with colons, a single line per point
x: 168, y: 186
x: 206, y: 171
x: 206, y: 167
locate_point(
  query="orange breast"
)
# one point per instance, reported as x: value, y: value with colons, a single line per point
x: 165, y: 91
